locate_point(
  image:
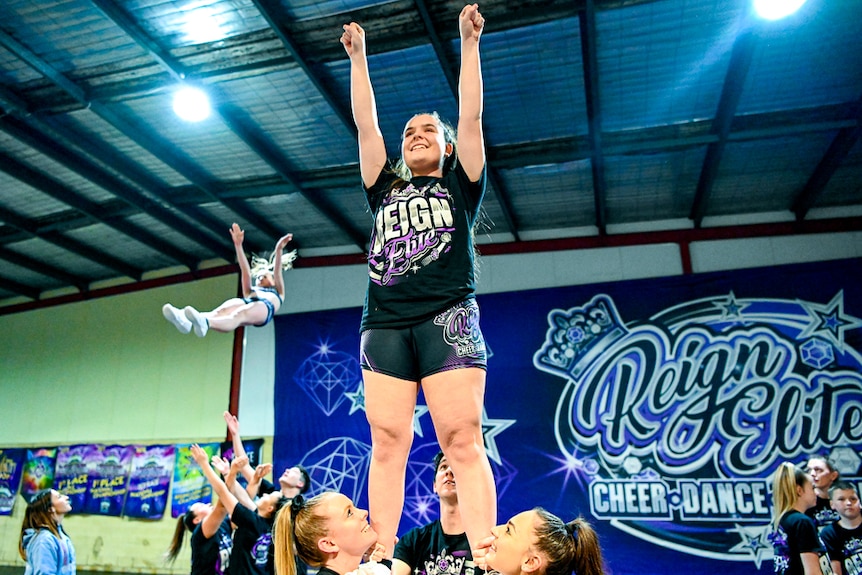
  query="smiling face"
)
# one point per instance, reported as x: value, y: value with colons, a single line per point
x: 347, y: 527
x: 511, y: 551
x: 423, y: 146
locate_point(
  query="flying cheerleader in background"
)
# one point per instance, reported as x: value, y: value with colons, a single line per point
x: 262, y: 290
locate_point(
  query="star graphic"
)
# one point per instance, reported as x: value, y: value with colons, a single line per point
x: 573, y: 466
x: 729, y: 307
x: 323, y: 348
x: 490, y: 429
x: 418, y: 412
x: 752, y: 542
x: 357, y: 398
x: 421, y: 508
x: 828, y: 320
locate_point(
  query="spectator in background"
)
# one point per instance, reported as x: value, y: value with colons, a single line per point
x: 823, y: 474
x: 843, y: 538
x: 797, y: 549
x: 44, y: 544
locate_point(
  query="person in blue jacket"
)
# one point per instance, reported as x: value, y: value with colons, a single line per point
x: 44, y: 544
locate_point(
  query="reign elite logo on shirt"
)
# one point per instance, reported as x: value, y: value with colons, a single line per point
x: 411, y: 230
x: 446, y: 563
x: 260, y: 550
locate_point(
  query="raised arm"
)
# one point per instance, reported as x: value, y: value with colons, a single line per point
x: 225, y: 496
x: 238, y: 448
x: 237, y: 235
x: 471, y: 142
x: 211, y: 524
x: 253, y: 487
x: 277, y: 274
x: 372, y: 150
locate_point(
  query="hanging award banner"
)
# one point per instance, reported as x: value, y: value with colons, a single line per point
x: 11, y: 464
x: 149, y: 481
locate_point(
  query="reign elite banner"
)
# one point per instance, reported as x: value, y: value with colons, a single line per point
x: 657, y: 409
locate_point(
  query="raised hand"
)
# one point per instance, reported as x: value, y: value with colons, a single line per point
x: 261, y: 470
x: 470, y: 22
x: 375, y: 553
x: 237, y: 235
x: 199, y: 455
x: 238, y: 463
x: 232, y: 423
x: 283, y: 241
x: 220, y: 464
x: 353, y: 39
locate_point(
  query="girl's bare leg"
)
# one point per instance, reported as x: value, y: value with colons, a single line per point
x: 389, y: 404
x: 455, y: 399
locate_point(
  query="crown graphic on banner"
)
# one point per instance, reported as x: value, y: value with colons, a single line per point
x: 578, y: 336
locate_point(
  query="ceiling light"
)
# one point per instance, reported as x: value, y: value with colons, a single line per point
x: 191, y: 104
x: 776, y: 9
x: 203, y: 24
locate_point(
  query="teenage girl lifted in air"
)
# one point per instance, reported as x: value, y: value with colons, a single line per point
x: 262, y: 293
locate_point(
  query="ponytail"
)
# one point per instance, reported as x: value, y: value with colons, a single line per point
x: 588, y: 554
x: 296, y: 531
x: 569, y: 548
x: 784, y: 483
x: 185, y: 522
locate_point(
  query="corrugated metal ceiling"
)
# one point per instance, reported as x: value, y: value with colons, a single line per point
x: 599, y: 114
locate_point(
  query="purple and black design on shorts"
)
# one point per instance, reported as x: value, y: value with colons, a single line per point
x: 450, y: 340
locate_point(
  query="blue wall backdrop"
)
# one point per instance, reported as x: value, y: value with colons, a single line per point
x: 655, y: 408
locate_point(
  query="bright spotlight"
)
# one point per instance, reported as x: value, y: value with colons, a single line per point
x: 776, y: 9
x: 191, y: 104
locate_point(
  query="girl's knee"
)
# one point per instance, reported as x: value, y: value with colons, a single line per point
x: 464, y: 447
x: 390, y: 442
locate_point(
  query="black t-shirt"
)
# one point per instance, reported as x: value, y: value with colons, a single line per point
x: 420, y: 262
x: 211, y: 556
x: 430, y: 551
x: 844, y: 545
x: 822, y: 513
x: 251, y: 542
x: 796, y: 534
